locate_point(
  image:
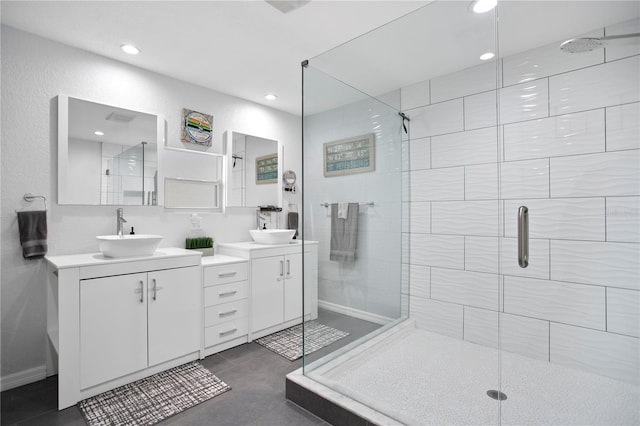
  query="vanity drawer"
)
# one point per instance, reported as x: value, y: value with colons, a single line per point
x: 222, y: 274
x: 224, y: 312
x: 225, y: 331
x: 224, y: 293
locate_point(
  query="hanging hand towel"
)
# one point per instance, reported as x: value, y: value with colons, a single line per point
x: 343, y: 210
x: 32, y: 226
x: 344, y: 234
x: 292, y: 222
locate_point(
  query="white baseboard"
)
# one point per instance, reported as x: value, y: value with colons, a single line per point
x: 23, y: 377
x: 356, y: 313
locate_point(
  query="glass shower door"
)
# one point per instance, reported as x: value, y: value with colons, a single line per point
x: 439, y: 220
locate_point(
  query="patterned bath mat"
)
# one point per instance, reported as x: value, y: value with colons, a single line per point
x: 288, y: 342
x: 152, y: 399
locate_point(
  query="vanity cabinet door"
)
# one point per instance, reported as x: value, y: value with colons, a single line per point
x: 267, y: 292
x: 113, y: 327
x: 293, y: 286
x: 174, y: 313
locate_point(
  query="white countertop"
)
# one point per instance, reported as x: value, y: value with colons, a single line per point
x: 252, y: 245
x: 220, y: 259
x: 91, y: 259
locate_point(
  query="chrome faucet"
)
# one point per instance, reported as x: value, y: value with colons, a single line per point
x: 119, y: 221
x: 258, y: 217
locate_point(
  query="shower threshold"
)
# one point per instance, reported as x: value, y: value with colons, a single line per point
x: 408, y: 375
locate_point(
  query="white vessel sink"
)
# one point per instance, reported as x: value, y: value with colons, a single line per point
x: 128, y: 245
x: 272, y: 236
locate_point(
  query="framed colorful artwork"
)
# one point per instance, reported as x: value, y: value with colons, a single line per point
x: 197, y: 127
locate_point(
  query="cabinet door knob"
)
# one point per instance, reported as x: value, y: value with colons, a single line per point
x: 227, y: 293
x: 141, y: 291
x: 226, y: 314
x: 288, y: 267
x: 282, y: 268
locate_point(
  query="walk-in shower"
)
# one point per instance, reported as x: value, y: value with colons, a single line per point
x: 499, y: 257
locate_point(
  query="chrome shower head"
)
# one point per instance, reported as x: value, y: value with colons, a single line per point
x: 581, y: 45
x: 587, y: 44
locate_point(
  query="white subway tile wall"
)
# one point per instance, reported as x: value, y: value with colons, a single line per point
x: 580, y: 133
x: 480, y: 110
x: 568, y: 303
x: 622, y: 219
x: 623, y: 127
x: 526, y: 336
x: 437, y: 119
x: 609, y: 354
x: 610, y: 84
x: 623, y: 311
x: 470, y: 147
x: 481, y: 326
x: 525, y: 101
x: 566, y: 143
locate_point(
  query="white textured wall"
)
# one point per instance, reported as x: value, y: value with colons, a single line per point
x: 34, y: 72
x: 567, y: 146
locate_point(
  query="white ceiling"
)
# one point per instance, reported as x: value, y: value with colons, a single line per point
x: 247, y: 48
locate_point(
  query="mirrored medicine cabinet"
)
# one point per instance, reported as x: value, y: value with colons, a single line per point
x: 108, y: 155
x: 254, y: 170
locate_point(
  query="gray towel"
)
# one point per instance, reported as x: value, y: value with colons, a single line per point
x: 344, y: 234
x: 32, y: 226
x: 292, y: 222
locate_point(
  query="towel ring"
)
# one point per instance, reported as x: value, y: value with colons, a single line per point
x: 29, y: 197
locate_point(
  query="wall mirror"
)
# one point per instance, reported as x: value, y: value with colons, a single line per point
x: 254, y: 170
x: 108, y: 155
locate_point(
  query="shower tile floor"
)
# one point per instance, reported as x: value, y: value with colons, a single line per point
x: 420, y: 378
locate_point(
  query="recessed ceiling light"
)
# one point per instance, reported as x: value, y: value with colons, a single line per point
x: 98, y: 133
x: 286, y: 6
x: 130, y: 49
x: 486, y: 56
x: 482, y: 6
x: 270, y: 97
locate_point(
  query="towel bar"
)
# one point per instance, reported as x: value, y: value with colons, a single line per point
x: 30, y: 198
x: 370, y: 203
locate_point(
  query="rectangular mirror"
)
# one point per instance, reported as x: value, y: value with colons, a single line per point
x: 254, y: 170
x: 108, y: 155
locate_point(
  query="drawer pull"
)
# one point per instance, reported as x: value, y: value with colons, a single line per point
x: 227, y: 293
x: 226, y: 274
x: 225, y: 333
x: 226, y: 314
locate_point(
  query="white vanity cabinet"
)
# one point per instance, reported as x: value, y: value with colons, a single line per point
x: 226, y: 304
x: 276, y: 283
x: 134, y: 321
x: 113, y: 321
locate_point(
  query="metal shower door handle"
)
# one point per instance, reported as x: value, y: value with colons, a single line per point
x: 523, y: 236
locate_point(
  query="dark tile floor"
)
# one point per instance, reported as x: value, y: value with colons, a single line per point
x: 255, y: 374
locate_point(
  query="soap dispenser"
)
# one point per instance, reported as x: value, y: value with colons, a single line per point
x: 132, y: 231
x: 264, y: 226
